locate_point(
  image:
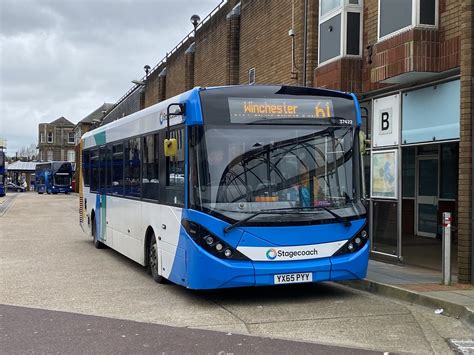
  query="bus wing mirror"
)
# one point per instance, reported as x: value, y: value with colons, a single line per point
x: 171, y: 147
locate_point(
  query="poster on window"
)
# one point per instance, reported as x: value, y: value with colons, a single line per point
x: 384, y: 174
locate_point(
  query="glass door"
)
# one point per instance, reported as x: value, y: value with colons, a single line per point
x: 427, y: 196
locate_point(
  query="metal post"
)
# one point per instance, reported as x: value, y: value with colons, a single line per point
x: 446, y: 248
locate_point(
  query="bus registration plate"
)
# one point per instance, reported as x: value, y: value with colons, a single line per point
x: 293, y: 278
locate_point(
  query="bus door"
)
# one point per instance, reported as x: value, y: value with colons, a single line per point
x: 172, y: 192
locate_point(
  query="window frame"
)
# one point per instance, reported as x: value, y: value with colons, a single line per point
x: 344, y: 8
x: 415, y: 20
x: 52, y: 137
x: 69, y: 141
x: 160, y: 135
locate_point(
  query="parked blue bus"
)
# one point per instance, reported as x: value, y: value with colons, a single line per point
x: 53, y: 177
x: 231, y: 186
x: 3, y: 174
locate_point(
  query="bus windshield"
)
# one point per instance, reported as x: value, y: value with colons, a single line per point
x: 270, y: 167
x: 62, y: 179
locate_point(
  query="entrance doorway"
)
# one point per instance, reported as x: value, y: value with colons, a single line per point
x: 429, y: 188
x: 427, y: 196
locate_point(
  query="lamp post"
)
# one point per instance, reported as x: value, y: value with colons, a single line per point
x: 195, y: 19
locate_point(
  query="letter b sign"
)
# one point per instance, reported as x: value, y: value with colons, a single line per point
x: 385, y: 126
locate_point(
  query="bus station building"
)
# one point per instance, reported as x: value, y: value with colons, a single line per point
x: 409, y: 61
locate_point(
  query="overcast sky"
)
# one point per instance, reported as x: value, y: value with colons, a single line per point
x: 68, y: 57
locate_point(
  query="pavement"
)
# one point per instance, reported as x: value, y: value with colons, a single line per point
x: 421, y: 287
x: 47, y: 264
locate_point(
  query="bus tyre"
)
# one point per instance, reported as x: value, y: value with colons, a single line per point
x: 153, y: 261
x: 97, y: 243
x: 48, y: 191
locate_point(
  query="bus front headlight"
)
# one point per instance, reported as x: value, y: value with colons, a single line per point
x: 354, y: 244
x: 210, y: 242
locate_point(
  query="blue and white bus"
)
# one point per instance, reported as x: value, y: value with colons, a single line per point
x: 53, y: 177
x: 231, y: 186
x: 3, y: 174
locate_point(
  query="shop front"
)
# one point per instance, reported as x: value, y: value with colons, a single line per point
x: 413, y: 172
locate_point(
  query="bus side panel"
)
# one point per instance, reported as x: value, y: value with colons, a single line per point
x: 127, y: 233
x: 168, y: 225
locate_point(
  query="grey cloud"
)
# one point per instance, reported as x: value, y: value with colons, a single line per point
x: 67, y: 57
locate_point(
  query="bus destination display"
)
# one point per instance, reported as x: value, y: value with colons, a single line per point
x: 248, y: 110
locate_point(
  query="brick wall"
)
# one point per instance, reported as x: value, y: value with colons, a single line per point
x: 465, y: 145
x: 416, y: 50
x: 152, y: 90
x: 264, y: 41
x: 175, y: 71
x: 212, y: 50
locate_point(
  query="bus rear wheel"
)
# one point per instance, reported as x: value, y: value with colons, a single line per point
x: 97, y: 243
x: 153, y: 261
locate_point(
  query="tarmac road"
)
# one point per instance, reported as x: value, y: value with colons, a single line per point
x: 47, y: 263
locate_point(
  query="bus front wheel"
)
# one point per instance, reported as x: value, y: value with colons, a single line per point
x: 153, y: 261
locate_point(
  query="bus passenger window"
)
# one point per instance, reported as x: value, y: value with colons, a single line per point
x: 175, y: 171
x: 150, y: 177
x: 86, y: 167
x: 94, y: 160
x: 117, y: 170
x: 132, y: 168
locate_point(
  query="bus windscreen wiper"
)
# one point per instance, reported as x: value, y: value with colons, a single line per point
x: 242, y: 221
x: 344, y: 220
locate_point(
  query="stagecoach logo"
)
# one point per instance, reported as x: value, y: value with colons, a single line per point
x: 271, y: 254
x: 162, y: 117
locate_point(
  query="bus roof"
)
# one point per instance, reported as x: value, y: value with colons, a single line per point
x: 152, y: 118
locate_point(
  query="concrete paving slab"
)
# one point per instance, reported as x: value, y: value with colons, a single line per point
x: 47, y: 262
x: 394, y: 333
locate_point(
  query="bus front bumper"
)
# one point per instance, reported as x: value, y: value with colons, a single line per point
x: 204, y: 271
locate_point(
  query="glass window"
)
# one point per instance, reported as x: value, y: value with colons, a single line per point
x: 329, y: 5
x: 117, y: 169
x: 408, y: 172
x: 175, y: 171
x: 94, y: 164
x: 50, y: 137
x: 71, y: 156
x: 86, y: 167
x: 385, y: 239
x: 243, y: 170
x: 41, y: 137
x: 150, y: 179
x: 339, y: 22
x: 50, y: 155
x: 431, y: 113
x: 353, y: 33
x: 449, y: 171
x: 330, y: 39
x: 428, y: 12
x: 132, y: 168
x: 105, y: 169
x: 71, y: 137
x: 394, y: 15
